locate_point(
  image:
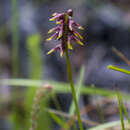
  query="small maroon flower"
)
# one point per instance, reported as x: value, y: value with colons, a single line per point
x: 71, y: 33
x: 58, y: 47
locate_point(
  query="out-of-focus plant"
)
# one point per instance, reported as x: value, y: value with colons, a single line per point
x: 120, y: 102
x: 35, y: 56
x: 36, y: 73
x: 119, y: 69
x: 15, y: 38
x: 61, y: 87
x: 41, y: 92
x: 124, y: 59
x: 120, y: 110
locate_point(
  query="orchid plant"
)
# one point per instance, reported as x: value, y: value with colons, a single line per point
x: 65, y: 33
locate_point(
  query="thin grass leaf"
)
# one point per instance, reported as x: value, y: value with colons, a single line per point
x: 124, y: 108
x: 110, y: 125
x: 61, y: 87
x: 122, y: 56
x: 120, y: 110
x: 118, y: 69
x: 78, y: 88
x: 16, y: 117
x: 58, y: 120
x: 15, y: 38
x: 125, y: 111
x: 55, y: 100
x: 63, y: 115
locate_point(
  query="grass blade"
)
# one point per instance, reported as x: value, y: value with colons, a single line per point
x: 120, y: 109
x: 109, y: 125
x: 61, y: 87
x: 125, y: 111
x: 80, y: 81
x: 118, y: 69
x: 58, y: 120
x: 15, y: 38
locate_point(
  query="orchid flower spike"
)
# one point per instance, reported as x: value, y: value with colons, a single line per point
x: 70, y: 33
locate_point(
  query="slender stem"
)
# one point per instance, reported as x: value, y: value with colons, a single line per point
x: 72, y: 88
x: 120, y: 110
x: 15, y: 38
x: 125, y: 111
x: 78, y: 88
x: 118, y: 69
x: 56, y: 103
x: 64, y: 44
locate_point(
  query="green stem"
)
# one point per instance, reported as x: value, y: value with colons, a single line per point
x: 64, y: 44
x: 125, y: 111
x: 72, y: 88
x: 118, y: 69
x: 79, y: 85
x: 120, y: 110
x: 15, y: 38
